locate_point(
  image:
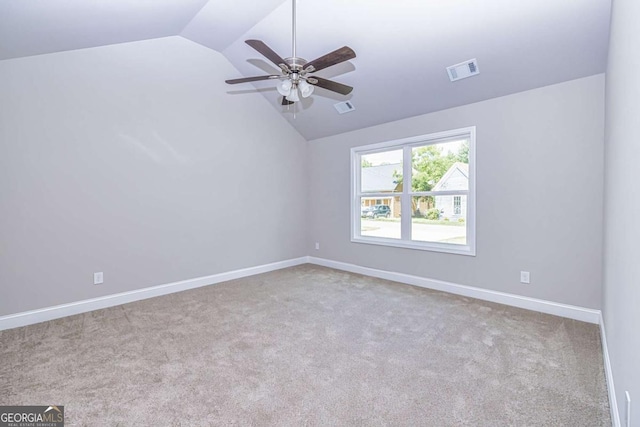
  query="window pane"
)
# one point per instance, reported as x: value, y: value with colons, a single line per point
x: 380, y: 220
x: 381, y: 172
x: 441, y: 219
x: 440, y: 166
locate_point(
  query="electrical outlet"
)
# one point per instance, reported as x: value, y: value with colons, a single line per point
x: 627, y: 413
x: 317, y: 246
x: 98, y: 278
x: 525, y: 277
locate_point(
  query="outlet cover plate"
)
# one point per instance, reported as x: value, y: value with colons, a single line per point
x: 98, y: 278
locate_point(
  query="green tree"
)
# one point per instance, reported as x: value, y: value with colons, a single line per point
x: 366, y: 163
x: 463, y: 153
x: 429, y: 165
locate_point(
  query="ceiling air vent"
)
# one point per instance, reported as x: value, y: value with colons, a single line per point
x: 344, y: 107
x: 463, y: 70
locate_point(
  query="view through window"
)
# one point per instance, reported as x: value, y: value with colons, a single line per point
x: 417, y: 193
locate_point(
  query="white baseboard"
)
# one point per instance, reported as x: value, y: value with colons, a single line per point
x: 55, y: 312
x: 543, y: 306
x: 58, y: 311
x: 608, y: 372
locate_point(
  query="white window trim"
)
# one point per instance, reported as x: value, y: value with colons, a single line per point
x: 406, y: 145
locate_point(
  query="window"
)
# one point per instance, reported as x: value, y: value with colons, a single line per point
x: 457, y: 206
x: 416, y: 193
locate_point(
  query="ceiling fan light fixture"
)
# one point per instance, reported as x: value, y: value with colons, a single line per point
x: 284, y: 87
x: 305, y: 89
x: 293, y: 95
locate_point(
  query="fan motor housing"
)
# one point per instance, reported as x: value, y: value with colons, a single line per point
x: 295, y: 63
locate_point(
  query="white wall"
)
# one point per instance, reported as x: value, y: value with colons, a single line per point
x: 539, y: 158
x: 133, y: 159
x: 621, y: 306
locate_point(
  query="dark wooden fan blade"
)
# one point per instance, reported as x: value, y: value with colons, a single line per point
x: 267, y: 52
x: 345, y: 53
x: 285, y: 101
x: 329, y: 85
x: 250, y: 79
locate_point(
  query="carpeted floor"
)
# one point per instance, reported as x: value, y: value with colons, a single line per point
x: 309, y: 346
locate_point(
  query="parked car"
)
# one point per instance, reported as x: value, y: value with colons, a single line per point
x: 376, y: 211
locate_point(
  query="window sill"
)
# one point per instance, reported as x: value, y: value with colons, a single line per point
x: 422, y: 246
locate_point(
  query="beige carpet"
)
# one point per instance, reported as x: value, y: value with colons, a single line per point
x: 309, y: 346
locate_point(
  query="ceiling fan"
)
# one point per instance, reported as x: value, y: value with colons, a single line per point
x: 295, y: 80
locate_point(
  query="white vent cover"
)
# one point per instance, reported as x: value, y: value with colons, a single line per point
x: 463, y: 70
x: 344, y: 107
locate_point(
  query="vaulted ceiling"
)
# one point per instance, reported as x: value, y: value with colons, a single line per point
x: 402, y: 46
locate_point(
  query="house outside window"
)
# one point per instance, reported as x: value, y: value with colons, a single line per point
x: 416, y: 193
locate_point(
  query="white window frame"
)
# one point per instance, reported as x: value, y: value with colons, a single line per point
x: 407, y: 144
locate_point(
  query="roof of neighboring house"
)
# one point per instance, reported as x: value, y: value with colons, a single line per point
x: 380, y: 178
x: 457, y: 166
